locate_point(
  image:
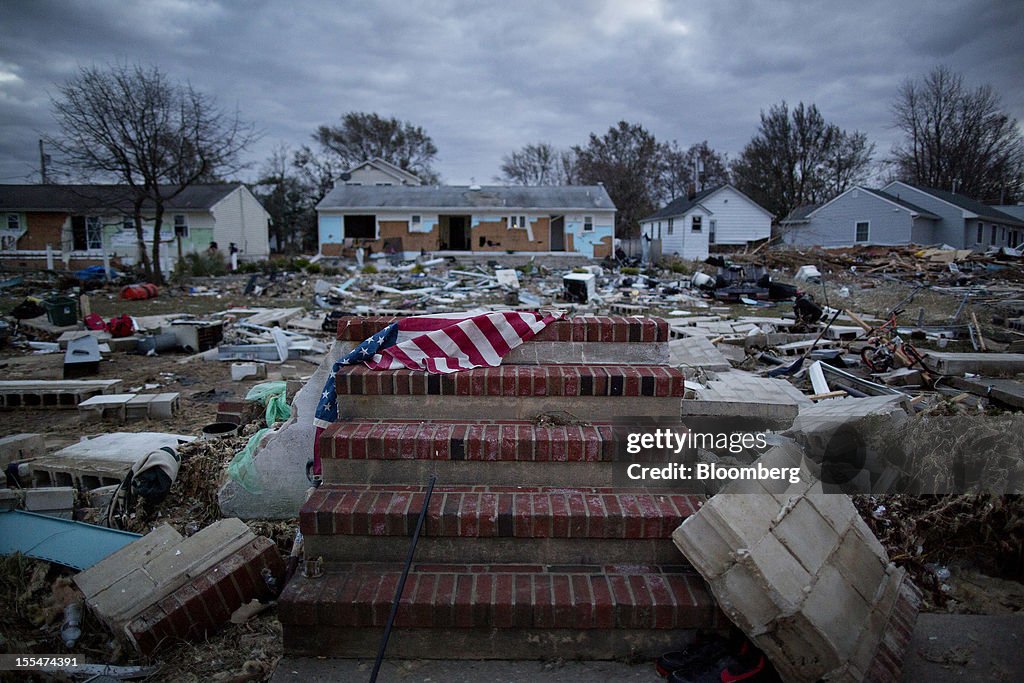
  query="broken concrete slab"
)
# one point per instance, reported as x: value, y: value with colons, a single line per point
x: 988, y: 364
x: 697, y: 352
x: 165, y: 586
x: 803, y: 577
x: 54, y: 501
x: 741, y: 394
x: 20, y: 447
x: 53, y: 393
x: 99, y: 461
x: 1008, y: 392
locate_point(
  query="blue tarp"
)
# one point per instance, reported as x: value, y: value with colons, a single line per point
x: 73, y: 544
x: 95, y: 273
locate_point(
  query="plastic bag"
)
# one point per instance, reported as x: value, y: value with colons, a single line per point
x: 242, y: 467
x: 272, y: 395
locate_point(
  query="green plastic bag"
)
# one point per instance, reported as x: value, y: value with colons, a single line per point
x: 272, y: 395
x: 242, y: 468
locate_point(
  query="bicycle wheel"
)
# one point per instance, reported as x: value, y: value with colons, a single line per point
x: 876, y: 358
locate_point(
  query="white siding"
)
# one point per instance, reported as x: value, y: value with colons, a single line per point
x: 240, y: 218
x: 369, y: 175
x: 737, y: 219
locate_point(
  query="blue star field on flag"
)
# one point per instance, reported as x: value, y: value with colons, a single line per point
x: 327, y: 408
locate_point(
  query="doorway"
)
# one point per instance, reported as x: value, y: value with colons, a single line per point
x: 557, y: 233
x: 454, y: 233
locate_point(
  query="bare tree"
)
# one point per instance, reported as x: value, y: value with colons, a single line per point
x: 958, y: 139
x: 363, y: 136
x: 132, y: 125
x: 534, y: 164
x: 799, y: 158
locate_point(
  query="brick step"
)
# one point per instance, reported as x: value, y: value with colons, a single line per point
x: 481, y: 440
x: 547, y: 525
x: 583, y: 328
x: 595, y: 392
x: 514, y: 381
x: 502, y: 611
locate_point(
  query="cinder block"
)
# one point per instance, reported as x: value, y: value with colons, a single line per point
x: 164, y: 405
x: 707, y: 542
x: 749, y: 516
x: 859, y: 564
x: 58, y: 501
x: 9, y: 499
x: 837, y: 508
x: 199, y: 552
x: 134, y: 555
x: 837, y: 610
x: 799, y: 650
x: 20, y: 447
x: 784, y: 579
x: 742, y: 596
x: 807, y: 534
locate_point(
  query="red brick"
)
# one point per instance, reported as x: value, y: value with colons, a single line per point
x: 463, y: 603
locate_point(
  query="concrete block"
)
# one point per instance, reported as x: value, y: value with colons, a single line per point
x: 697, y: 352
x: 742, y: 596
x: 199, y: 552
x: 9, y: 499
x: 798, y: 649
x: 58, y: 501
x: 837, y: 610
x: 807, y: 534
x: 707, y: 542
x: 859, y: 565
x: 241, y: 371
x: 164, y: 406
x: 107, y: 571
x: 837, y: 508
x: 748, y: 515
x: 20, y: 447
x: 783, y: 578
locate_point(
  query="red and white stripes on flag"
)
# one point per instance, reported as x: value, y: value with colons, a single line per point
x: 449, y: 343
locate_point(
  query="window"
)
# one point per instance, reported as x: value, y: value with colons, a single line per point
x: 588, y: 224
x: 416, y: 220
x: 180, y: 225
x: 361, y: 227
x: 13, y: 221
x: 517, y: 222
x: 711, y: 231
x: 695, y: 223
x: 671, y: 221
x: 863, y: 231
x: 981, y: 237
x: 128, y: 224
x: 86, y: 233
x: 993, y: 239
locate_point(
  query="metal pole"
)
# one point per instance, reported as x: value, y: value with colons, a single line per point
x: 401, y: 582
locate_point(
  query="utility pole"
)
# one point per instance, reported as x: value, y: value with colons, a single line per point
x: 43, y: 158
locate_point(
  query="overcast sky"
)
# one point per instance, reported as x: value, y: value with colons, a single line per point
x: 485, y: 77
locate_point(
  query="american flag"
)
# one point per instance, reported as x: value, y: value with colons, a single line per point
x: 439, y: 344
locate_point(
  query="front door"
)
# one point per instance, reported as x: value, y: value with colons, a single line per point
x: 557, y: 233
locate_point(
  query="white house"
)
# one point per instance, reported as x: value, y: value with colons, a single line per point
x: 378, y: 172
x: 688, y: 226
x: 76, y: 223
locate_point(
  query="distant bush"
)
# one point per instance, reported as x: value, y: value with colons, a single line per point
x: 681, y: 267
x: 313, y: 268
x: 417, y: 269
x: 250, y: 267
x: 580, y: 270
x: 629, y: 271
x: 370, y: 269
x: 201, y: 264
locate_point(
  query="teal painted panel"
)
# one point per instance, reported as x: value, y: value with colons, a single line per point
x: 330, y: 229
x: 73, y: 544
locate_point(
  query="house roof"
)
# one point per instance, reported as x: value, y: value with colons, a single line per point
x: 801, y: 214
x: 77, y: 198
x: 1015, y: 210
x: 389, y: 168
x: 981, y: 210
x: 680, y: 205
x: 924, y: 213
x: 492, y: 197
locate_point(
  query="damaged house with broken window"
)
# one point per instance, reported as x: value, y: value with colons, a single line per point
x: 45, y: 225
x: 411, y: 219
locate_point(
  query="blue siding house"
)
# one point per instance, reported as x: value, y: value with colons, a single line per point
x: 901, y: 213
x: 858, y: 216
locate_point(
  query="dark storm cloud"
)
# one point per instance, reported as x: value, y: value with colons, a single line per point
x: 484, y: 78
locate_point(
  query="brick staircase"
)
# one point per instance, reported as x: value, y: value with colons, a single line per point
x: 528, y: 551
